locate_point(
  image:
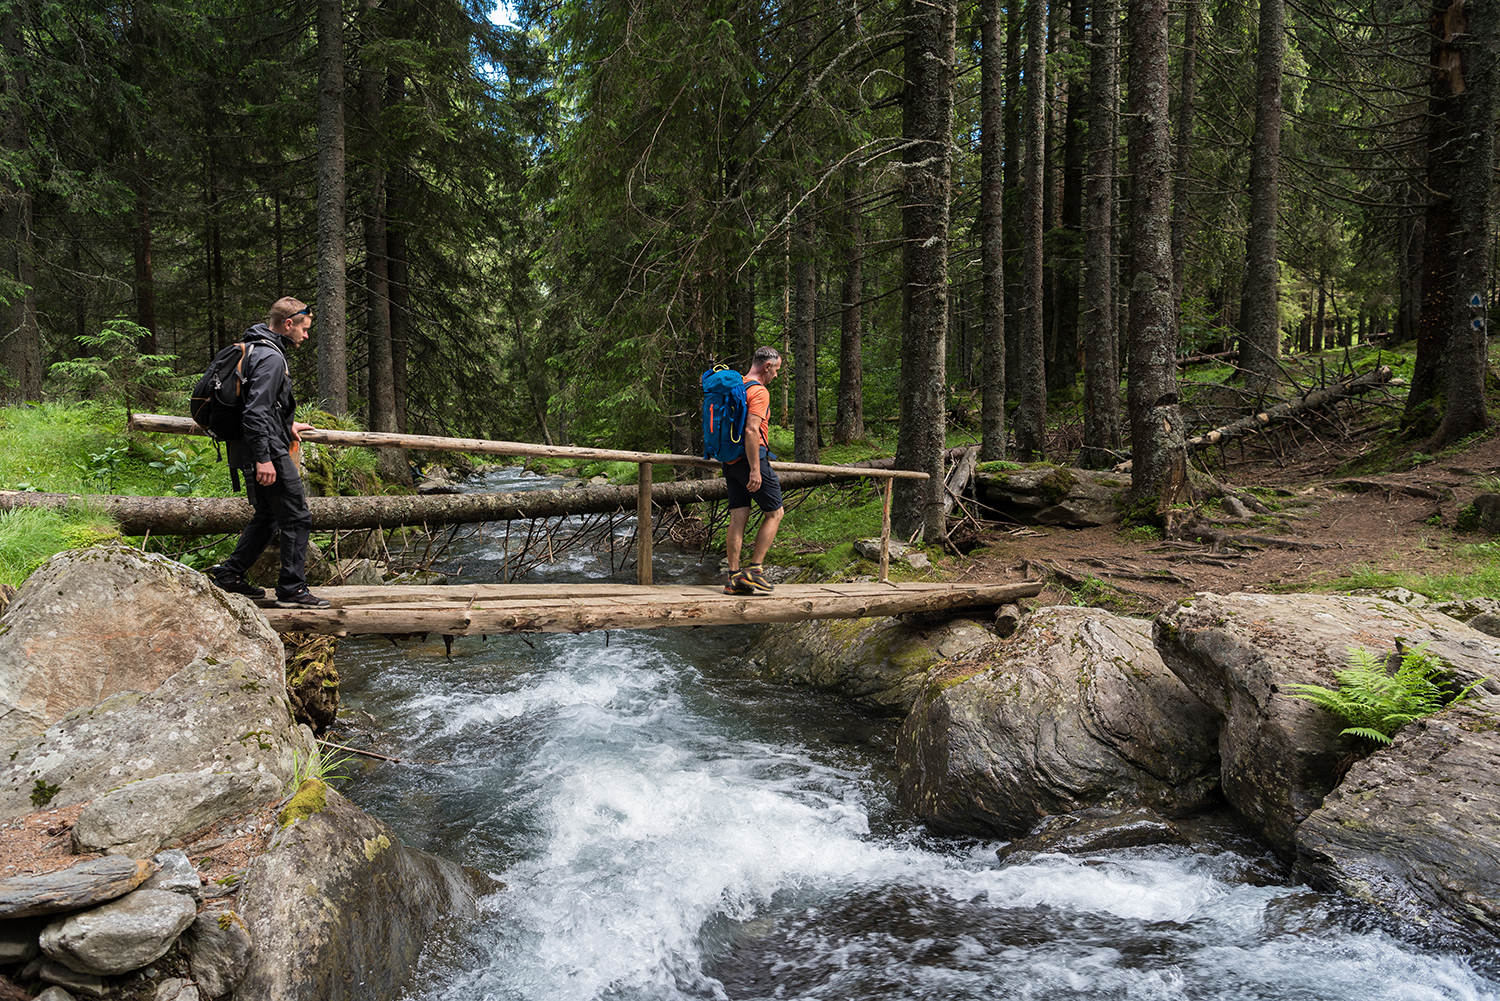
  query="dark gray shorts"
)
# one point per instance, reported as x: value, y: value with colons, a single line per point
x: 738, y: 476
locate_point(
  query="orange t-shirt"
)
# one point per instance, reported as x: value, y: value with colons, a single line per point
x: 757, y: 408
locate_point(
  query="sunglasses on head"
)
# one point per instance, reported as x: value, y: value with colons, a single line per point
x: 304, y: 311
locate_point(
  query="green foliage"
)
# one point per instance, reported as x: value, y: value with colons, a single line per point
x: 102, y: 468
x: 618, y: 473
x: 119, y: 372
x: 1377, y: 702
x: 30, y: 536
x: 184, y: 468
x: 318, y: 765
x: 42, y: 794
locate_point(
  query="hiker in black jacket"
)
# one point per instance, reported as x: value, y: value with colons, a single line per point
x: 267, y: 454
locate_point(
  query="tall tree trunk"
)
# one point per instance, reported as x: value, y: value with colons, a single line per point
x: 332, y: 335
x: 398, y: 274
x: 393, y: 465
x: 992, y: 230
x: 849, y: 421
x: 20, y: 332
x: 927, y: 124
x: 1159, y: 470
x: 1015, y: 28
x: 1063, y: 372
x: 1182, y: 173
x: 145, y: 277
x: 1031, y: 415
x: 1261, y: 344
x: 1468, y: 361
x: 1447, y: 96
x: 1101, y: 374
x: 804, y: 345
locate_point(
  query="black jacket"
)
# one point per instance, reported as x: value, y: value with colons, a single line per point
x: 269, y: 403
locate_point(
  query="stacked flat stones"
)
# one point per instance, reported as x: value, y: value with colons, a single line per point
x: 107, y: 917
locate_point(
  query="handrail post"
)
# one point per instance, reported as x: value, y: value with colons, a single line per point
x: 885, y: 533
x: 643, y: 525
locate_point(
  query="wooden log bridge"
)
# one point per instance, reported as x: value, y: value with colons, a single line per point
x: 467, y: 609
x: 643, y: 493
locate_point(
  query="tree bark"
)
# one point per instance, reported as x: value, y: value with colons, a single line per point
x: 333, y: 366
x: 1062, y: 372
x: 849, y: 420
x: 805, y: 347
x: 1182, y: 179
x: 992, y: 230
x: 1468, y: 360
x: 1159, y: 469
x: 1031, y: 415
x: 1101, y: 373
x: 927, y: 124
x: 1260, y: 345
x: 21, y: 336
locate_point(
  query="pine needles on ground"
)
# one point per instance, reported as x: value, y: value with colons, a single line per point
x: 1377, y: 702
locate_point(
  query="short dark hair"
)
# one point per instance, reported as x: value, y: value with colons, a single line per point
x: 764, y: 353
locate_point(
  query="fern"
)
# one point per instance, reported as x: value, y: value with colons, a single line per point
x: 1376, y: 702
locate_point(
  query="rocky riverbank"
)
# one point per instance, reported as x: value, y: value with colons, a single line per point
x: 1085, y: 730
x: 148, y: 717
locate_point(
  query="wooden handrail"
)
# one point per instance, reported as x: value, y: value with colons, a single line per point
x: 163, y: 424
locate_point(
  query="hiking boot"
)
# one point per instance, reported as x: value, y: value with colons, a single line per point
x: 302, y: 599
x: 224, y: 580
x: 737, y: 584
x: 754, y: 577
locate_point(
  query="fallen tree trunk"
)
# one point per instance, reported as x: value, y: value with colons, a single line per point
x: 1312, y: 400
x: 458, y: 610
x: 220, y: 515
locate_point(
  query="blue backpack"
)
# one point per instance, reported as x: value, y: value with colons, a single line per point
x: 724, y: 412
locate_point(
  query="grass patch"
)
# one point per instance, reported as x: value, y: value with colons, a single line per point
x: 1478, y: 575
x: 30, y: 536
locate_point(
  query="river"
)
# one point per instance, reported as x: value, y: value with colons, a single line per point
x: 669, y: 829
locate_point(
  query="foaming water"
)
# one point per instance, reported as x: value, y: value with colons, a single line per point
x: 668, y: 831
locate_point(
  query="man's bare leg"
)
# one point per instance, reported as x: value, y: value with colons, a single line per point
x: 734, y: 536
x: 764, y: 537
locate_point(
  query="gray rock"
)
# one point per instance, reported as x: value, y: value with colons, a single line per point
x: 870, y: 549
x: 339, y: 908
x: 219, y: 949
x: 207, y: 718
x: 1075, y: 710
x: 175, y: 874
x: 53, y: 994
x: 356, y: 573
x: 1488, y: 508
x: 1237, y: 653
x: 138, y: 818
x: 177, y: 989
x: 1486, y: 623
x: 53, y: 972
x: 1044, y: 494
x: 1468, y: 609
x: 1096, y: 830
x: 86, y: 884
x: 1411, y: 829
x: 18, y: 939
x: 93, y: 622
x: 120, y: 936
x: 879, y: 664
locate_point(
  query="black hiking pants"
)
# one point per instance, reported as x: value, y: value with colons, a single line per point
x: 283, y: 506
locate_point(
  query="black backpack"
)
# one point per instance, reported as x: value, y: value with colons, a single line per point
x: 218, y: 402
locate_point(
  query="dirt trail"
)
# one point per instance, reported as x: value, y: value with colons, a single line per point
x: 1385, y: 521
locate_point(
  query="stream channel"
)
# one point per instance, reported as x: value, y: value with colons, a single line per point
x: 669, y: 828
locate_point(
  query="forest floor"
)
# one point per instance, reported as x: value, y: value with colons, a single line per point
x: 1337, y: 526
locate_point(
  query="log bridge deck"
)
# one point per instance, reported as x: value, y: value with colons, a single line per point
x: 466, y: 609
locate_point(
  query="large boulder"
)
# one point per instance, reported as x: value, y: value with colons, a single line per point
x: 1412, y: 829
x: 1044, y: 494
x: 93, y: 622
x: 1282, y: 755
x: 1075, y: 710
x: 122, y: 935
x: 339, y: 908
x: 879, y: 664
x: 207, y: 718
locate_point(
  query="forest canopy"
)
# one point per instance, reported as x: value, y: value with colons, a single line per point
x: 942, y: 214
